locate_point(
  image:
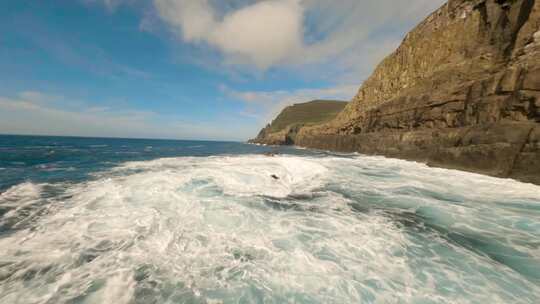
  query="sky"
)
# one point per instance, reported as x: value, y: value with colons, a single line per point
x: 186, y: 69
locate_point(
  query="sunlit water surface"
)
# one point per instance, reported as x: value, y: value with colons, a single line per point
x: 207, y: 223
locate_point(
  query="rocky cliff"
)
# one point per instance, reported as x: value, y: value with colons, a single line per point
x: 284, y: 128
x: 462, y: 91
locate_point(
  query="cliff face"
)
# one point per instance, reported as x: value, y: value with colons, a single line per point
x: 464, y: 43
x: 284, y: 128
x: 462, y: 91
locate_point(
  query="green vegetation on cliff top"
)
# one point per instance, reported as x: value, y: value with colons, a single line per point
x: 309, y: 113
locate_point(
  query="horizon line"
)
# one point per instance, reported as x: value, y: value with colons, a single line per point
x: 114, y: 137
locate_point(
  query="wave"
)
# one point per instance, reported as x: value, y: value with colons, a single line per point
x: 277, y: 229
x: 21, y: 192
x: 52, y: 167
x: 18, y: 205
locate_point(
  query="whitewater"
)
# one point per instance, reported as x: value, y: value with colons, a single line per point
x: 220, y: 229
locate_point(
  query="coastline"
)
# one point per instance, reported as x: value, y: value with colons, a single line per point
x: 471, y: 103
x: 411, y: 158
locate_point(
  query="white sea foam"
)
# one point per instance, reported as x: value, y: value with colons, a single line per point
x: 20, y: 194
x: 327, y: 230
x: 19, y: 205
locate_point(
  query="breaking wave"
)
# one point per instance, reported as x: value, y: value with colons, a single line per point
x: 284, y: 229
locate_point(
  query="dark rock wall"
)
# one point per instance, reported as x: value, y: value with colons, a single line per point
x: 504, y: 149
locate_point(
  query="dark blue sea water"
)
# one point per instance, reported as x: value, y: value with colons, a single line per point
x: 94, y: 220
x: 44, y: 159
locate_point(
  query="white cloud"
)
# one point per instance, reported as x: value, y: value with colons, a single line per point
x: 263, y: 33
x: 195, y: 19
x: 34, y: 96
x: 110, y: 5
x: 276, y: 33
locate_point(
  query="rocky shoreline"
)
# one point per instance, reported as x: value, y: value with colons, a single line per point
x: 462, y: 92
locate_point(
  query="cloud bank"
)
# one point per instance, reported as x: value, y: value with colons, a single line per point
x: 295, y: 32
x: 37, y: 113
x: 263, y: 33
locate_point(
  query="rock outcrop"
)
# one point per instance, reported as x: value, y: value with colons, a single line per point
x: 462, y: 91
x: 283, y: 129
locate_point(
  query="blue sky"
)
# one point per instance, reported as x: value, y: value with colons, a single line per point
x: 185, y: 69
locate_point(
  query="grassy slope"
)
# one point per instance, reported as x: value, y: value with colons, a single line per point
x: 309, y: 113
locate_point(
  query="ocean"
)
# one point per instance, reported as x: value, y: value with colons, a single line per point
x: 93, y: 220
